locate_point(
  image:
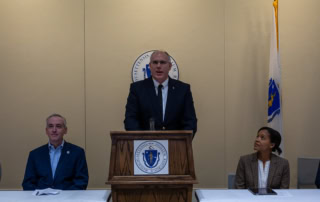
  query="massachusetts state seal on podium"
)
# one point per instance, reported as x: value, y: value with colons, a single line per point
x: 151, y: 157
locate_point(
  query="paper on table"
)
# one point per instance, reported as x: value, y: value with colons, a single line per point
x: 47, y: 191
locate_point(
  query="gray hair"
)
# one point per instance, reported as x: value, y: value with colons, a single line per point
x: 160, y: 51
x: 57, y: 115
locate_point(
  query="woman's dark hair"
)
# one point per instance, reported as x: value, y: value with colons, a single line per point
x: 275, y: 138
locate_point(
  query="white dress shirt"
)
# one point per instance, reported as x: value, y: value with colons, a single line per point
x: 263, y: 173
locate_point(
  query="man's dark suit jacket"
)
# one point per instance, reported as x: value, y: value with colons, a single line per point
x: 247, y: 173
x: 142, y: 105
x: 71, y: 172
x: 318, y: 177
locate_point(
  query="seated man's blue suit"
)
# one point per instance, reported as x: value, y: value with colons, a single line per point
x: 318, y: 177
x: 71, y: 172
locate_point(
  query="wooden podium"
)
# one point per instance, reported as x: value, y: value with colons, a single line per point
x: 176, y: 186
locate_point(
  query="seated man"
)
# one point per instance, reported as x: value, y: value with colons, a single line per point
x: 318, y: 177
x: 58, y: 164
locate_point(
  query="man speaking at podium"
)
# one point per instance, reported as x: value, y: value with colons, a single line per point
x: 159, y: 102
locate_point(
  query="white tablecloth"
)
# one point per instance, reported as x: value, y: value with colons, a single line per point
x: 231, y: 195
x: 64, y: 196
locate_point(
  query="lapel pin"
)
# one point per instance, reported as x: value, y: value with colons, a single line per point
x: 172, y: 87
x: 68, y: 152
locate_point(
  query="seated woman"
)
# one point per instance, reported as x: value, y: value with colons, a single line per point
x: 263, y: 169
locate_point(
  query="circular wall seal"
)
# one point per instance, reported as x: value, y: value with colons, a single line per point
x: 141, y: 70
x: 151, y: 157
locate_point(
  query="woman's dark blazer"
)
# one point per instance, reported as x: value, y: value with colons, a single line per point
x: 247, y: 172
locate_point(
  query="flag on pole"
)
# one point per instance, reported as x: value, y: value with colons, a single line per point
x: 274, y: 94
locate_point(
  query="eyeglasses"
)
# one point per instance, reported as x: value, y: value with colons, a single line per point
x: 162, y: 62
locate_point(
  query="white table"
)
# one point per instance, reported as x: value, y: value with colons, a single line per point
x: 64, y: 196
x: 284, y: 195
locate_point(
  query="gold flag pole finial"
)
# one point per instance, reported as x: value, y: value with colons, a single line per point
x: 275, y: 5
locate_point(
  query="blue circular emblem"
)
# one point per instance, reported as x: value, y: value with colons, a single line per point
x: 151, y: 157
x: 141, y: 70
